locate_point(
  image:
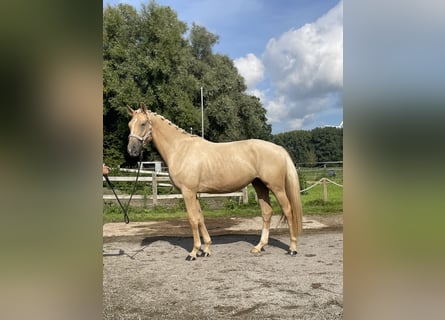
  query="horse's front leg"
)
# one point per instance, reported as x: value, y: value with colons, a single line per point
x: 204, y: 233
x: 196, y: 220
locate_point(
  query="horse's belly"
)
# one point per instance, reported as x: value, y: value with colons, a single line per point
x: 224, y: 185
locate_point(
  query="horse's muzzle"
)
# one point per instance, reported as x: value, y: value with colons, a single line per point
x: 134, y: 148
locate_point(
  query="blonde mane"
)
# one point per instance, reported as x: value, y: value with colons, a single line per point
x: 172, y: 124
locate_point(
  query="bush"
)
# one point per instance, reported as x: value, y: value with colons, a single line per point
x: 303, y: 181
x: 230, y: 204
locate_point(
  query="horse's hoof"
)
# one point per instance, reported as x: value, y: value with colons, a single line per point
x: 190, y: 258
x: 202, y: 254
x: 293, y: 253
x: 256, y: 251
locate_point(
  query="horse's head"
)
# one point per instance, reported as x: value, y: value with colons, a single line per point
x: 140, y: 130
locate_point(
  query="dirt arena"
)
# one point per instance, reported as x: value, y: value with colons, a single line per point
x: 145, y: 275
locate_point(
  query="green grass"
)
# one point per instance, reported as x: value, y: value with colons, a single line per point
x: 312, y: 202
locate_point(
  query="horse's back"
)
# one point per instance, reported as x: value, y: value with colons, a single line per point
x: 253, y: 152
x: 227, y: 166
x: 252, y: 158
x: 266, y: 152
x: 250, y: 145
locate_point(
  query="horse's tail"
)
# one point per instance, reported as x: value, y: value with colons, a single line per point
x: 293, y: 194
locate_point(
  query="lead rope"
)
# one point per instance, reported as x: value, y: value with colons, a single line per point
x: 125, y: 209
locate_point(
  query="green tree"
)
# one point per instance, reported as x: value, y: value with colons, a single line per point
x: 145, y: 59
x: 253, y: 120
x: 120, y: 25
x: 298, y: 144
x: 202, y: 42
x: 310, y: 146
x: 222, y: 85
x: 328, y: 143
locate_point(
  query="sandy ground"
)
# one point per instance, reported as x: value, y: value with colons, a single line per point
x: 146, y: 276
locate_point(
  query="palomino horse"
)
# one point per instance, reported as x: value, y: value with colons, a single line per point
x: 197, y: 165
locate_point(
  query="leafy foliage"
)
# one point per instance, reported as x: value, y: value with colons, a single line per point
x: 316, y: 145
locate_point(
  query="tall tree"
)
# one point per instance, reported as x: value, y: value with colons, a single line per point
x: 253, y: 120
x: 328, y: 143
x: 120, y: 29
x: 202, y: 42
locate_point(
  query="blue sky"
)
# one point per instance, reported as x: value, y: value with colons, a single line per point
x: 290, y: 53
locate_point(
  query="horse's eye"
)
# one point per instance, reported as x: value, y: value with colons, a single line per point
x: 143, y: 125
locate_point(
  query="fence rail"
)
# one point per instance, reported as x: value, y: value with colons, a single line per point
x: 162, y: 179
x: 155, y: 179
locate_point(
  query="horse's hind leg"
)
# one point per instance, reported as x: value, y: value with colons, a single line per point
x: 287, y: 211
x: 266, y: 209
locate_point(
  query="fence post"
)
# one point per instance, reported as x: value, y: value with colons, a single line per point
x: 325, y: 190
x: 245, y: 196
x: 154, y: 186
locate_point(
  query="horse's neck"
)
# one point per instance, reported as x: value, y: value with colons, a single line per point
x: 167, y: 137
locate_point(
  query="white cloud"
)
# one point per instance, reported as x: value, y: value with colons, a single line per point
x: 276, y: 110
x: 260, y: 94
x: 251, y: 68
x: 294, y: 124
x: 292, y: 115
x: 305, y: 67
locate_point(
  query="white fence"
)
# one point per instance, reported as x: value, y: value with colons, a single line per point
x: 162, y: 179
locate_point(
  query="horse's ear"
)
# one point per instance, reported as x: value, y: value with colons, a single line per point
x: 144, y: 107
x: 130, y: 111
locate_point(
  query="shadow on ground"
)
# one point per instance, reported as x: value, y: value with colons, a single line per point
x: 187, y: 242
